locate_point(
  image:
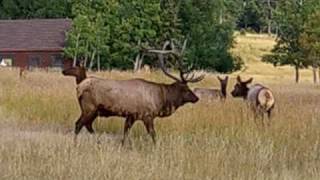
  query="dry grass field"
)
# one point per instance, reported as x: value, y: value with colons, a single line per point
x: 201, y: 141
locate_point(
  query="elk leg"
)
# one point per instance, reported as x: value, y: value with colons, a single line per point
x: 79, y: 125
x: 255, y: 115
x: 127, y: 125
x: 269, y: 117
x: 269, y: 113
x: 260, y: 114
x: 150, y: 129
x: 89, y: 128
x: 78, y: 128
x: 88, y: 123
x: 262, y: 118
x: 85, y: 120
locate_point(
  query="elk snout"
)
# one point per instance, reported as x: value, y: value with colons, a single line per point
x: 233, y: 93
x: 194, y: 98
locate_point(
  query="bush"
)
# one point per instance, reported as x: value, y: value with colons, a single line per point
x: 243, y: 32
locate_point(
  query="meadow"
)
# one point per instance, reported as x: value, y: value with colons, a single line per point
x: 200, y: 141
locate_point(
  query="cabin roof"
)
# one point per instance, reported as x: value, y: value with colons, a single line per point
x: 33, y: 35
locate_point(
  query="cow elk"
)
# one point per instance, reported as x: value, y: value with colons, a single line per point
x: 259, y: 97
x: 79, y: 72
x: 134, y: 99
x: 213, y: 94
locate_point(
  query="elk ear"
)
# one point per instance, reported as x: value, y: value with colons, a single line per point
x: 226, y: 78
x: 219, y: 78
x: 249, y: 81
x: 239, y: 79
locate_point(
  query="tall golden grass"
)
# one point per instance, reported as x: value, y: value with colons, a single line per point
x: 202, y: 141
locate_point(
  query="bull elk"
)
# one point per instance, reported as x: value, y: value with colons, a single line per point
x: 212, y: 94
x: 259, y: 97
x: 134, y: 99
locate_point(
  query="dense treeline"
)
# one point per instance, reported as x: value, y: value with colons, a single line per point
x: 28, y: 9
x: 110, y: 34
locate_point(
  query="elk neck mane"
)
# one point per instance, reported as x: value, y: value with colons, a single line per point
x: 224, y: 91
x: 82, y: 76
x: 171, y: 100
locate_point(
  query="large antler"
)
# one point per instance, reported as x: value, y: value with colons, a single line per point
x: 161, y: 54
x: 185, y: 75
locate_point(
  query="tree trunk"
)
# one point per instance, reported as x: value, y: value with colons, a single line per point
x: 297, y: 74
x: 138, y: 60
x: 221, y: 16
x: 137, y: 63
x: 74, y: 61
x: 76, y: 51
x: 99, y: 63
x: 86, y: 55
x: 141, y: 61
x: 92, y: 59
x: 269, y: 27
x: 314, y: 71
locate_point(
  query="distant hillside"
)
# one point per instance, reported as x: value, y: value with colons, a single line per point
x: 251, y: 48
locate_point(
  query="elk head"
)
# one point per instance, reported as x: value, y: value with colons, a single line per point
x: 78, y: 71
x: 224, y: 83
x: 181, y: 91
x: 241, y: 88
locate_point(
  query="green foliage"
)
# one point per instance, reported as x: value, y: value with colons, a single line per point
x: 138, y: 25
x: 27, y: 9
x: 113, y: 31
x: 210, y: 38
x: 251, y: 16
x: 126, y: 26
x: 310, y: 39
x: 291, y: 18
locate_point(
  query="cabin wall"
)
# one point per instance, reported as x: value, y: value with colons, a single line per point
x: 37, y: 59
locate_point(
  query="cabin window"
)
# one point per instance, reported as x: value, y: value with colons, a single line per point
x: 6, y: 60
x: 34, y: 61
x: 57, y: 61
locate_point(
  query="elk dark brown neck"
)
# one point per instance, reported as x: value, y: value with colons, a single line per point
x: 81, y: 75
x: 224, y: 91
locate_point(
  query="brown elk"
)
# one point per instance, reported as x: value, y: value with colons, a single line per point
x: 22, y: 72
x: 134, y: 99
x: 259, y: 97
x: 79, y: 72
x: 212, y: 94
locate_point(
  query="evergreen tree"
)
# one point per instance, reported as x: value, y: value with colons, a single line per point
x: 290, y: 18
x: 210, y: 37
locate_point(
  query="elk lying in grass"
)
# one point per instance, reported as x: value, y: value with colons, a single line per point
x: 134, y: 99
x: 212, y: 94
x: 259, y: 97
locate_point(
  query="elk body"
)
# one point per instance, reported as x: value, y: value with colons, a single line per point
x: 212, y: 94
x: 259, y: 97
x: 134, y: 99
